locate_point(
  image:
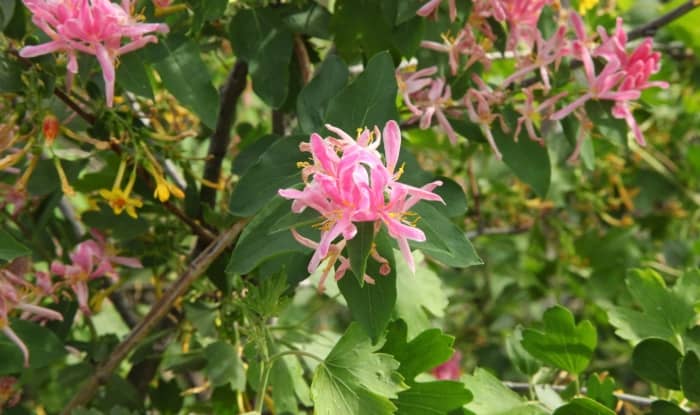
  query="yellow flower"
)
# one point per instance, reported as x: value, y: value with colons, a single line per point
x: 585, y: 5
x: 119, y: 199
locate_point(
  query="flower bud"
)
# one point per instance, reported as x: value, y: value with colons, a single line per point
x: 50, y: 128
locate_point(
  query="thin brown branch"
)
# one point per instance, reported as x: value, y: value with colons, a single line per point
x: 88, y: 117
x: 220, y: 140
x: 650, y: 28
x: 303, y: 60
x: 159, y: 310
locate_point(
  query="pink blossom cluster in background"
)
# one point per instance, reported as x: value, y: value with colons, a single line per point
x: 95, y: 27
x: 90, y: 259
x: 625, y: 74
x: 348, y: 182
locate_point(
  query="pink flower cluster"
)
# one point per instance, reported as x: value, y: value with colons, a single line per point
x: 90, y: 259
x: 349, y: 182
x: 95, y: 27
x: 624, y: 75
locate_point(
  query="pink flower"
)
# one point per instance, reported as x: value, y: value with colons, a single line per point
x: 95, y: 27
x: 548, y: 52
x: 479, y: 103
x: 430, y: 9
x: 450, y: 370
x: 531, y: 112
x: 348, y: 183
x: 18, y: 294
x: 91, y: 259
x: 464, y: 44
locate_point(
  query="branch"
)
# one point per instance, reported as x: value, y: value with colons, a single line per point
x: 650, y: 28
x: 156, y: 314
x: 218, y: 146
x: 90, y: 118
x: 639, y: 401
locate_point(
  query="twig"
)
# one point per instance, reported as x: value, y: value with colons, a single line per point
x: 203, y: 233
x: 90, y: 118
x: 156, y: 314
x: 303, y: 60
x: 650, y: 28
x: 640, y: 401
x: 218, y: 146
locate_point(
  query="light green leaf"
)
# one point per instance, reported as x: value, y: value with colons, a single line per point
x: 657, y: 361
x: 583, y: 406
x: 562, y: 343
x: 10, y: 248
x: 186, y: 76
x: 225, y: 366
x: 355, y: 379
x: 491, y: 397
x: 432, y: 398
x: 369, y: 100
x: 420, y: 296
x: 665, y: 314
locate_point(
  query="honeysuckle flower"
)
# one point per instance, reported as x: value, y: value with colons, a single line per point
x: 18, y: 294
x: 530, y: 113
x: 451, y: 369
x: 546, y: 52
x: 120, y: 200
x: 10, y: 393
x: 95, y: 27
x: 479, y: 103
x: 90, y: 259
x: 430, y: 9
x: 464, y: 43
x: 349, y: 182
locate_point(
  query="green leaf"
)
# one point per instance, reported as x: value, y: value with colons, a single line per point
x: 314, y: 98
x: 665, y: 314
x: 491, y: 397
x: 288, y: 385
x: 690, y: 376
x: 602, y: 389
x: 360, y: 28
x: 657, y: 361
x: 10, y: 75
x: 666, y: 408
x: 205, y: 11
x: 370, y: 100
x: 186, y: 76
x: 313, y: 21
x: 259, y: 37
x: 275, y: 169
x: 44, y: 348
x: 224, y: 366
x: 372, y: 305
x: 562, y: 343
x: 355, y: 379
x: 419, y: 296
x: 10, y: 248
x: 444, y: 241
x: 436, y: 398
x: 583, y: 406
x: 517, y: 354
x: 526, y: 158
x: 358, y: 249
x: 258, y: 243
x: 7, y: 10
x: 132, y: 74
x: 428, y: 350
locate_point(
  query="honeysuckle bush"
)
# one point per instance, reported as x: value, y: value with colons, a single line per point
x: 349, y: 207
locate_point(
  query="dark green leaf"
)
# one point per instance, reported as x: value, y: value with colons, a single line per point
x: 7, y: 10
x: 432, y: 398
x: 444, y: 241
x: 313, y: 21
x: 259, y: 37
x: 258, y: 243
x: 44, y: 347
x: 657, y: 361
x: 428, y: 350
x: 132, y: 74
x: 275, y: 169
x: 361, y: 30
x: 690, y: 376
x: 372, y: 305
x: 186, y: 76
x: 314, y: 98
x: 358, y: 249
x: 370, y: 100
x: 562, y: 343
x: 10, y: 74
x: 583, y: 406
x: 666, y: 408
x: 10, y: 248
